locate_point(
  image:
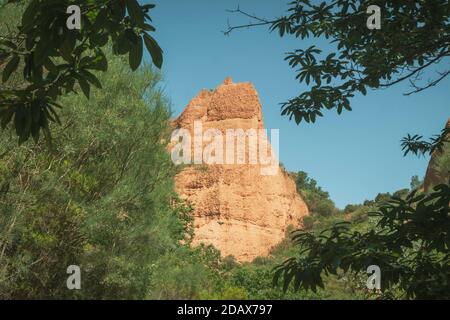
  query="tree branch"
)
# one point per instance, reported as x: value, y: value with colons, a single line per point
x: 429, y: 85
x: 260, y: 21
x: 418, y: 69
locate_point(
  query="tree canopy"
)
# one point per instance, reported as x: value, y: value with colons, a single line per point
x: 101, y: 198
x: 54, y: 60
x: 414, y: 36
x: 318, y: 200
x: 410, y: 244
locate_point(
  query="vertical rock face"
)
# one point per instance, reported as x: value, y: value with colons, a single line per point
x: 236, y: 208
x: 433, y: 176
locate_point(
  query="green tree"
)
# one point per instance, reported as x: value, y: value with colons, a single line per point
x: 102, y: 198
x: 410, y: 244
x: 413, y: 39
x: 54, y: 60
x: 416, y: 183
x: 318, y: 200
x: 414, y: 36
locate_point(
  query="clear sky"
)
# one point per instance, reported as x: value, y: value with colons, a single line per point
x: 353, y: 156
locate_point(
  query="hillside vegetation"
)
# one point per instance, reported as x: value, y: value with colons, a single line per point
x: 100, y: 195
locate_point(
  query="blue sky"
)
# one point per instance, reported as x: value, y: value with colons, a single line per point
x: 353, y: 156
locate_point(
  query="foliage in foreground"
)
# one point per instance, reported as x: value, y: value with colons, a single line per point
x: 413, y: 39
x: 412, y: 46
x: 410, y: 244
x: 55, y: 60
x: 101, y: 198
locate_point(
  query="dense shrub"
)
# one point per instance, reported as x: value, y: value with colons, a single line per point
x: 101, y: 196
x: 317, y: 200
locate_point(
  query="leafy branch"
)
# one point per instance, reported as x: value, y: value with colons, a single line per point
x: 416, y: 145
x: 412, y: 39
x: 54, y: 60
x: 411, y: 258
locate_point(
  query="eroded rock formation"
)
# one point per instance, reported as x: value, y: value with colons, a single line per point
x: 236, y: 208
x: 433, y: 175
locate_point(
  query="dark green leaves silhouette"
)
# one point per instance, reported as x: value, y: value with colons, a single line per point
x: 54, y: 60
x: 410, y: 244
x: 412, y: 38
x: 416, y: 145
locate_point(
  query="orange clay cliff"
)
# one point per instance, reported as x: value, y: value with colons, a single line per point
x: 237, y: 209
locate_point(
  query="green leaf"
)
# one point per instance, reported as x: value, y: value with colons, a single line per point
x: 123, y: 45
x: 99, y: 39
x: 35, y: 130
x: 85, y: 87
x: 68, y: 45
x: 18, y: 120
x: 100, y: 19
x: 98, y: 62
x: 40, y: 52
x: 154, y: 50
x: 118, y: 10
x: 10, y: 68
x: 363, y: 90
x: 69, y: 85
x: 135, y: 12
x: 148, y: 27
x: 51, y: 114
x: 132, y: 37
x: 135, y: 56
x: 26, y: 130
x: 50, y: 66
x: 36, y: 112
x: 6, y: 117
x: 91, y: 78
x: 30, y: 13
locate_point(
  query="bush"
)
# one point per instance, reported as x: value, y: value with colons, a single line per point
x: 351, y: 208
x: 317, y: 200
x: 101, y: 197
x: 413, y: 259
x: 308, y: 222
x: 227, y: 293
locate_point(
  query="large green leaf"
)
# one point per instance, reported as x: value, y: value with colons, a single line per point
x: 10, y: 68
x: 30, y: 13
x: 135, y: 56
x: 154, y: 50
x: 135, y: 12
x: 85, y: 87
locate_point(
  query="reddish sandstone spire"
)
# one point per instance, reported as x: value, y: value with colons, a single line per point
x: 228, y: 80
x: 236, y: 208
